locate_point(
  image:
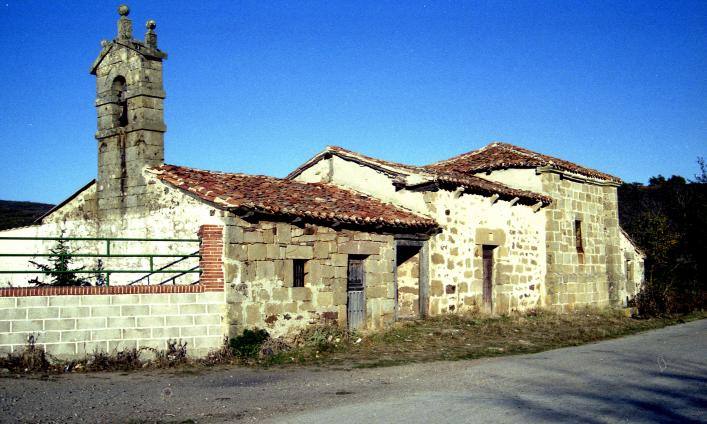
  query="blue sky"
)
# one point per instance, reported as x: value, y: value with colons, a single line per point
x: 259, y: 87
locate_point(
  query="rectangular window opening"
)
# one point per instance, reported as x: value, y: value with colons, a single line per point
x: 579, y: 243
x: 298, y: 272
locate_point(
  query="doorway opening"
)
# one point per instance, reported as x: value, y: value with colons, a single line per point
x: 487, y: 273
x: 408, y: 282
x: 355, y: 291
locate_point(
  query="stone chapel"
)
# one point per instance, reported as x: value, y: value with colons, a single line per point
x: 345, y: 239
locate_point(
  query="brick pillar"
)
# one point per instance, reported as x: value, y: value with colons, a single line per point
x: 211, y: 262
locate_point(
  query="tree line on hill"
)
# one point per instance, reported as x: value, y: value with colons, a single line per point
x: 667, y: 219
x: 18, y: 214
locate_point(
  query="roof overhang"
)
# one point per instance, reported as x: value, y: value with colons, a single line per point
x: 576, y: 177
x: 410, y: 178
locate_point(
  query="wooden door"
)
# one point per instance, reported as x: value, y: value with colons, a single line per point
x: 356, y: 303
x: 488, y: 277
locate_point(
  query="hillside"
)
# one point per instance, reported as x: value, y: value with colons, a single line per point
x: 17, y: 214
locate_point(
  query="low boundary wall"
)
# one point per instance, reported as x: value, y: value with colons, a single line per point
x: 70, y: 322
x: 72, y: 326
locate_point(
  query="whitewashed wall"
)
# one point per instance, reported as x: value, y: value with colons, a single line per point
x: 169, y: 214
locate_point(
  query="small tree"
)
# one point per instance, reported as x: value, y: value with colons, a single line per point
x: 59, y: 268
x: 99, y: 275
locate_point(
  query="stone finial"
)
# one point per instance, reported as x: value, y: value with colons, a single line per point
x: 125, y: 25
x: 150, y: 35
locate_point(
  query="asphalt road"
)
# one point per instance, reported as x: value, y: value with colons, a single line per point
x: 658, y: 376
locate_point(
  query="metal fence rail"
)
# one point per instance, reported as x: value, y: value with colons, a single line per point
x: 180, y: 257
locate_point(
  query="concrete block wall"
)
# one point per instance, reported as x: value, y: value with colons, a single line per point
x: 71, y: 322
x: 71, y: 326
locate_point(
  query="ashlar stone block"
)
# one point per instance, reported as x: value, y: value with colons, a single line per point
x: 299, y: 252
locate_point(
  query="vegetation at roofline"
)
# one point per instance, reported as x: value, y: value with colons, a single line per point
x: 668, y: 221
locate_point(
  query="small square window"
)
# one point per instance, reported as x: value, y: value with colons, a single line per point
x: 298, y: 272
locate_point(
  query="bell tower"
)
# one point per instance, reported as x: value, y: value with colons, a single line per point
x: 129, y: 102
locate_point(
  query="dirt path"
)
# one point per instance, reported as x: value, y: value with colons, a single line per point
x: 660, y: 375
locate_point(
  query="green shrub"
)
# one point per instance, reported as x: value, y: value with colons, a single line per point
x: 60, y: 270
x: 248, y: 344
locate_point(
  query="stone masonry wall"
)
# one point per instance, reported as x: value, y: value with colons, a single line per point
x: 571, y: 282
x: 612, y: 232
x: 408, y: 274
x: 73, y: 326
x: 455, y: 264
x: 610, y: 269
x: 259, y: 269
x: 456, y: 274
x: 124, y: 150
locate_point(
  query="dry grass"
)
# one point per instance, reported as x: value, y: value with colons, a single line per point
x: 450, y: 337
x: 32, y: 359
x: 456, y: 337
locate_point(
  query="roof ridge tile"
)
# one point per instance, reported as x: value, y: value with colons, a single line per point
x: 501, y: 155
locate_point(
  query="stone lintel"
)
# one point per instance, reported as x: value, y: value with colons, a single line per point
x: 491, y: 237
x: 360, y: 248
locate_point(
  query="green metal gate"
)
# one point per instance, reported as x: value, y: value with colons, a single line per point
x: 151, y: 270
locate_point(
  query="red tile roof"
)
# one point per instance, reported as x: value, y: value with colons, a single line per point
x: 470, y: 183
x: 318, y: 202
x: 502, y: 156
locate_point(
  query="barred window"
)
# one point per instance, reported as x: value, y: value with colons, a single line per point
x: 298, y: 272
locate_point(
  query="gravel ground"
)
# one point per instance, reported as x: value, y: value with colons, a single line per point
x: 657, y: 376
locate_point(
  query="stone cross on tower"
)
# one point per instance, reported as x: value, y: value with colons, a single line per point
x: 129, y: 102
